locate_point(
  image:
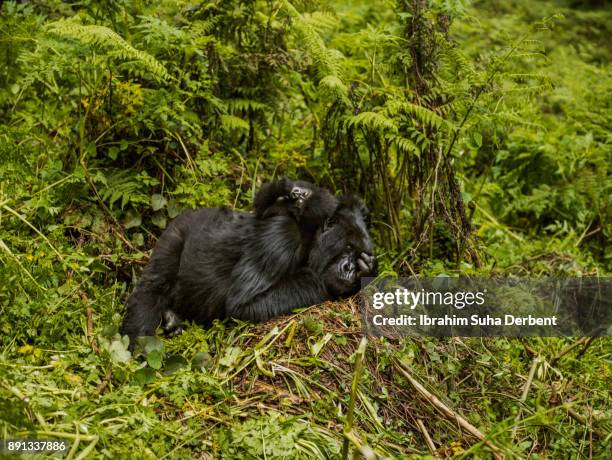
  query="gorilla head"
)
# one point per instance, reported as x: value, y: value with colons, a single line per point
x: 342, y: 252
x: 307, y: 204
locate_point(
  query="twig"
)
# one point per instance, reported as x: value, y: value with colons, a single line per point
x: 25, y: 221
x: 366, y: 452
x: 500, y: 226
x: 586, y: 346
x: 430, y: 445
x: 32, y: 414
x: 61, y: 435
x: 90, y: 331
x: 6, y: 249
x: 89, y: 324
x: 103, y: 385
x: 350, y: 414
x: 534, y: 367
x: 567, y: 349
x: 449, y: 413
x: 583, y: 421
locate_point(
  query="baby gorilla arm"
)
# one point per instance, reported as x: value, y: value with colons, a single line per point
x: 274, y: 198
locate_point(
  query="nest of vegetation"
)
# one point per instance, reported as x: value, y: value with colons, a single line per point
x: 306, y: 363
x: 413, y: 396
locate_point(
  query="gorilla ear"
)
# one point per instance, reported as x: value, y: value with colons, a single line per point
x: 355, y: 203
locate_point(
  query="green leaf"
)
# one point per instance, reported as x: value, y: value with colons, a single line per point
x: 316, y: 348
x: 113, y: 152
x: 118, y: 350
x: 151, y: 343
x: 138, y: 239
x: 174, y: 363
x: 155, y: 359
x: 232, y: 354
x: 144, y: 376
x: 132, y: 219
x: 159, y: 220
x: 158, y: 202
x: 173, y: 208
x: 201, y: 360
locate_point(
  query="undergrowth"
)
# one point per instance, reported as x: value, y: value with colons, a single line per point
x: 479, y: 134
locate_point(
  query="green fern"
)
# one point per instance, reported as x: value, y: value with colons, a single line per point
x: 373, y: 120
x: 328, y: 61
x: 237, y: 105
x: 334, y: 86
x: 231, y: 122
x: 420, y: 113
x: 404, y: 145
x: 104, y: 37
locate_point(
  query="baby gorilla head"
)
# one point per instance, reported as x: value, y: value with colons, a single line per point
x: 308, y: 204
x: 299, y: 195
x: 343, y: 252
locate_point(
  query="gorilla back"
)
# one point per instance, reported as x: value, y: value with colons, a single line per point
x: 185, y: 255
x: 214, y: 263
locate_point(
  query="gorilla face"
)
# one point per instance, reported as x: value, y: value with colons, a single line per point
x: 305, y: 202
x: 343, y: 252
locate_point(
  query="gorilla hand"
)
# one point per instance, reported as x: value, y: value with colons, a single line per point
x: 366, y: 263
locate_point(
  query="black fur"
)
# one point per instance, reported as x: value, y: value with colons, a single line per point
x: 308, y: 204
x: 214, y: 263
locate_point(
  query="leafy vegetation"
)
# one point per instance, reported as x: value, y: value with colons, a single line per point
x: 478, y: 133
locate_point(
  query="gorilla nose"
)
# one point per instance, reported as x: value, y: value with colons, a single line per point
x: 347, y: 266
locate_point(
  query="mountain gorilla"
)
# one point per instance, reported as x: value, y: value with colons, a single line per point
x: 302, y: 246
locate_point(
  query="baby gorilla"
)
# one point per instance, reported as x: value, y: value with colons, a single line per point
x: 301, y: 247
x: 308, y: 204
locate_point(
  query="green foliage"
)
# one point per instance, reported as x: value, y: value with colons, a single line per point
x: 479, y: 136
x: 108, y: 40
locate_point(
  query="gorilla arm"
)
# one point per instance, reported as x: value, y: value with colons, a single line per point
x: 302, y: 288
x: 152, y: 295
x: 267, y: 196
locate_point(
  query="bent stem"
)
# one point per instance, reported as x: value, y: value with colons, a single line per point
x: 350, y: 415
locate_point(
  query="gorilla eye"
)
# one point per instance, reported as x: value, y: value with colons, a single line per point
x: 330, y: 223
x: 349, y: 247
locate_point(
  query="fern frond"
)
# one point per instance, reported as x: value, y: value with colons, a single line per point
x: 403, y: 144
x: 202, y: 28
x: 420, y: 113
x: 235, y: 105
x: 105, y: 37
x: 524, y: 77
x: 336, y: 87
x: 328, y: 61
x: 320, y: 20
x: 231, y: 122
x: 372, y: 120
x: 458, y: 63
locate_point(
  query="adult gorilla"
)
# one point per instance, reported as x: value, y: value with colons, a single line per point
x: 215, y: 263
